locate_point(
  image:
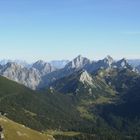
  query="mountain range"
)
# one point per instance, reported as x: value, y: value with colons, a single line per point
x: 83, y: 100
x: 40, y: 74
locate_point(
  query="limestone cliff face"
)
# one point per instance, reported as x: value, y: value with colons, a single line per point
x: 28, y: 77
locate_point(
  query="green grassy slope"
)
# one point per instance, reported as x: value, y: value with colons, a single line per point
x: 15, y: 131
x: 37, y: 110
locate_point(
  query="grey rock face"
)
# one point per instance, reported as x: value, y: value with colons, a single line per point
x: 28, y: 77
x: 107, y: 62
x: 74, y: 65
x: 123, y: 63
x: 77, y: 63
x: 43, y: 67
x: 86, y: 78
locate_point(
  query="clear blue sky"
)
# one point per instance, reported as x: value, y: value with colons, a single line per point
x: 62, y: 29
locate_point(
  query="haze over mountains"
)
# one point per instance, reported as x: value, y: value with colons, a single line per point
x: 40, y: 74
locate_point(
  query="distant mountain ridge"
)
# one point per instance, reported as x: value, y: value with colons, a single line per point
x: 43, y: 67
x: 19, y: 62
x: 40, y: 74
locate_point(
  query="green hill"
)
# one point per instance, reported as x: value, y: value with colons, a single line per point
x: 92, y: 89
x: 39, y: 111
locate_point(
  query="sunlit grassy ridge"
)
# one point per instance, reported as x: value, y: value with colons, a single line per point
x: 15, y: 131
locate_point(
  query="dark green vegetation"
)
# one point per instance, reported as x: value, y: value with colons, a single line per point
x: 39, y: 111
x: 124, y: 115
x: 72, y: 85
x: 106, y: 110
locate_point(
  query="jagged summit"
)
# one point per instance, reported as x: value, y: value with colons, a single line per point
x: 13, y: 64
x: 123, y: 63
x: 109, y: 58
x: 39, y: 62
x: 79, y: 56
x: 41, y: 73
x: 43, y: 67
x: 10, y: 67
x: 78, y: 62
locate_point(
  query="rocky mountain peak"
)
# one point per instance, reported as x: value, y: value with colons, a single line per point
x: 13, y: 65
x: 39, y: 63
x: 108, y: 59
x: 79, y: 57
x: 78, y: 62
x: 122, y: 63
x: 124, y: 60
x: 86, y: 78
x: 43, y: 67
